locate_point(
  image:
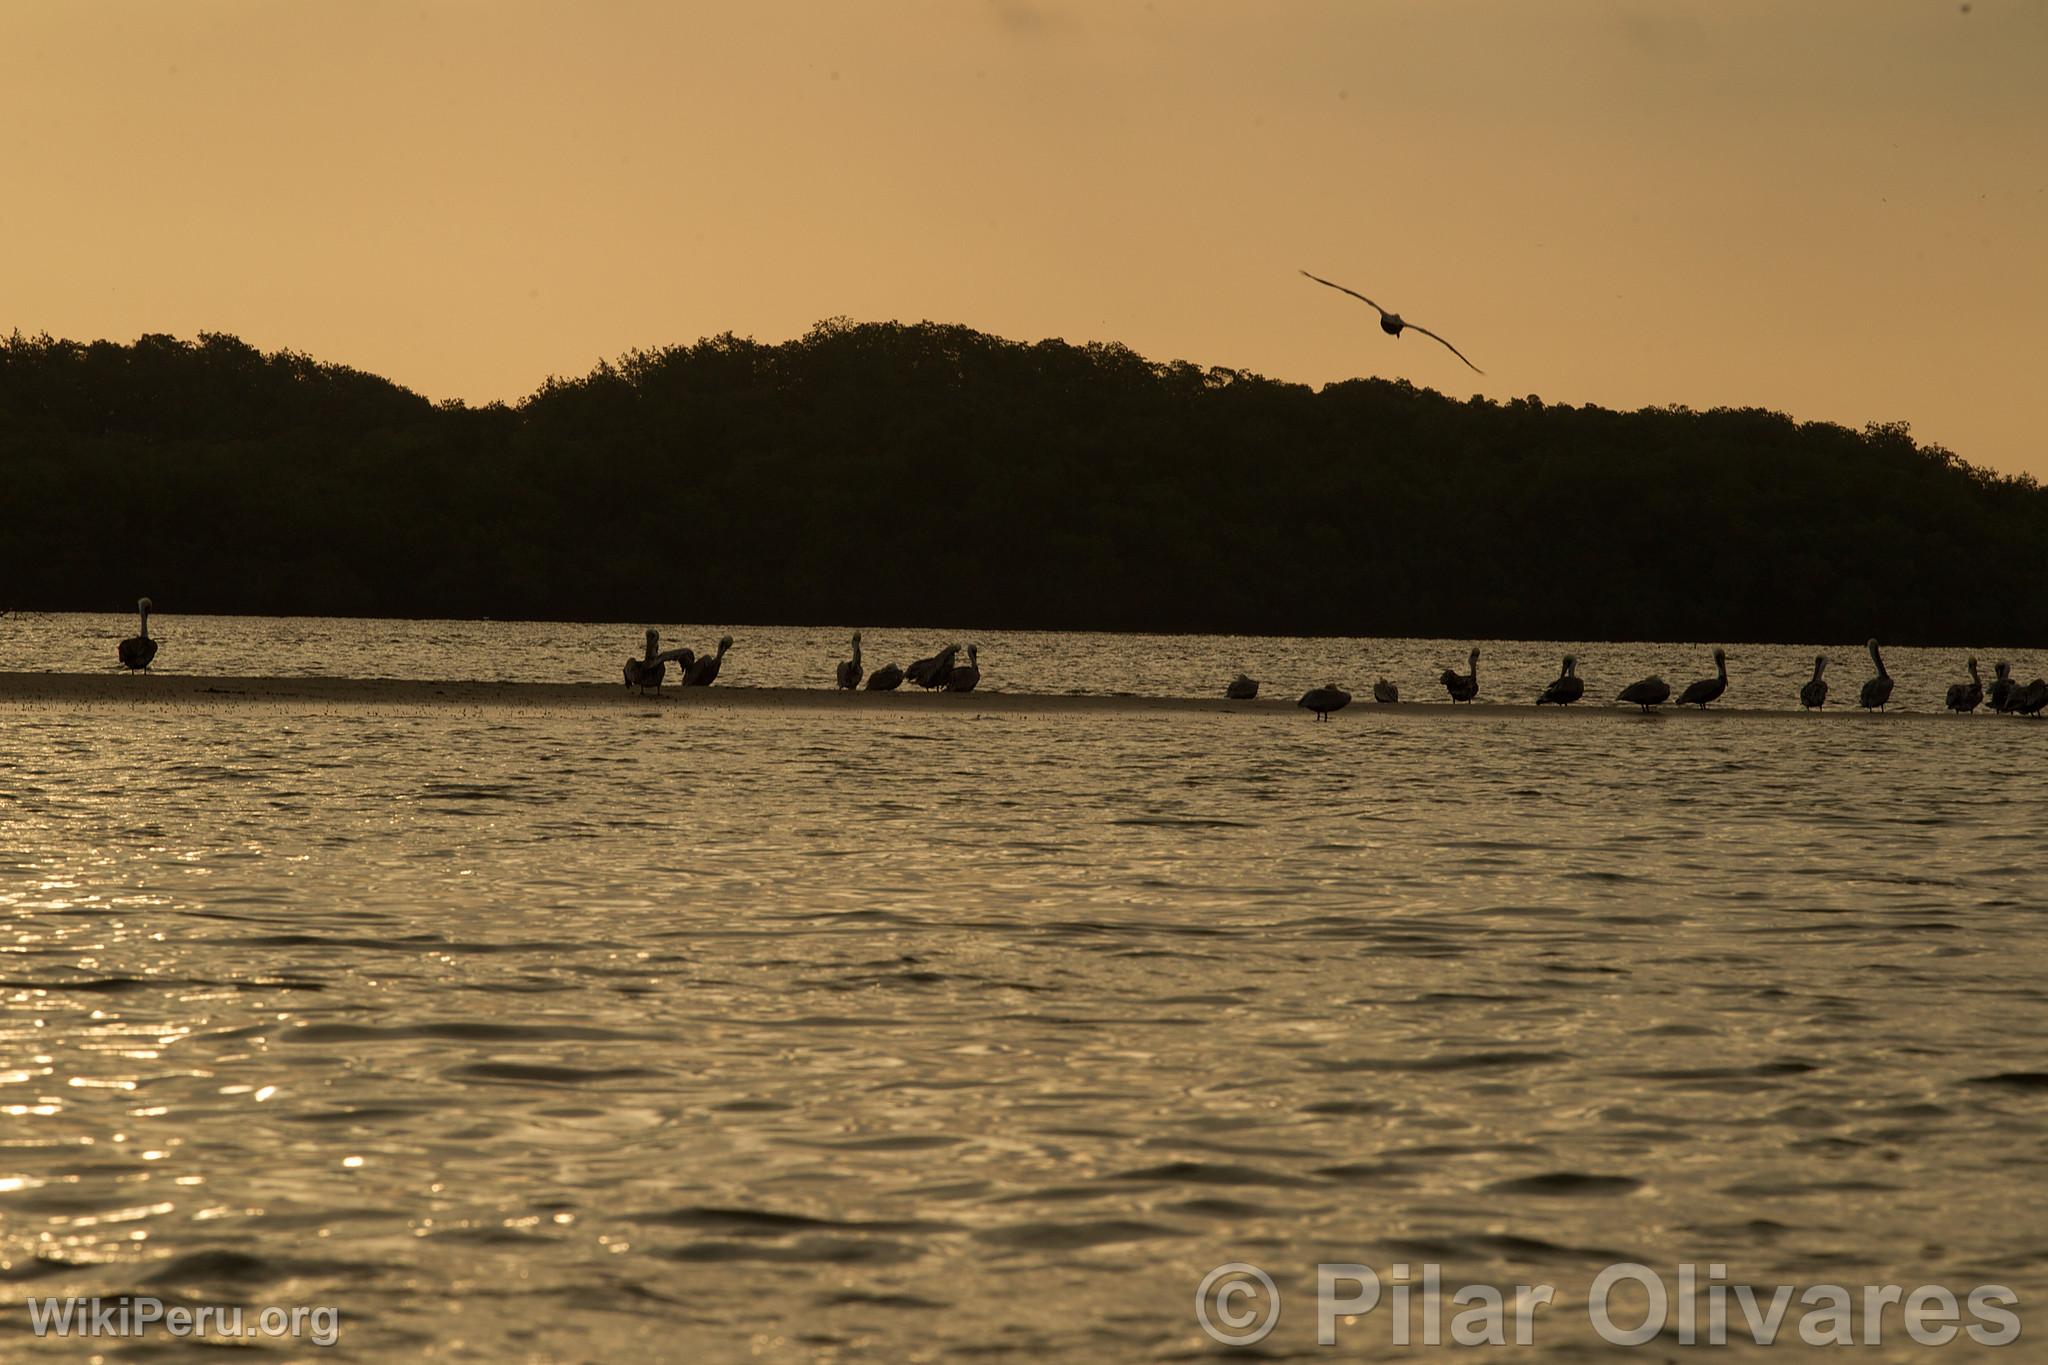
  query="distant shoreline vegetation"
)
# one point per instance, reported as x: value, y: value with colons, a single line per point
x: 896, y: 474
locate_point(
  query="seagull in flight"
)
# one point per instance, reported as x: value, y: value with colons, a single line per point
x: 1391, y: 323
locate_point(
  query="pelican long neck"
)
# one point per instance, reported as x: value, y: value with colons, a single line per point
x: 856, y: 651
x: 1472, y: 663
x: 145, y: 621
x: 1974, y: 676
x: 1721, y: 667
x: 1819, y: 666
x: 653, y: 645
x: 1878, y: 659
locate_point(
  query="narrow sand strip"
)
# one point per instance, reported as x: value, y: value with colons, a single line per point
x: 184, y: 690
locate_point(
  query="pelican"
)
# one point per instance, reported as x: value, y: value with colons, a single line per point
x: 2029, y: 700
x: 1462, y: 686
x: 1568, y: 686
x: 887, y: 678
x: 1707, y: 689
x: 1242, y: 688
x: 2001, y: 687
x: 930, y: 673
x: 963, y: 677
x: 1878, y: 690
x: 703, y: 671
x: 1967, y: 697
x: 849, y: 671
x: 138, y: 650
x: 1325, y: 699
x: 648, y: 670
x: 1385, y: 692
x: 1391, y: 323
x: 1651, y: 691
x: 1814, y: 695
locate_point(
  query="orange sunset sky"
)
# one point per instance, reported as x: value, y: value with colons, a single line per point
x: 1838, y: 208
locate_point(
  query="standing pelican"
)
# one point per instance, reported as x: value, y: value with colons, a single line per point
x: 703, y: 671
x: 887, y: 678
x: 1651, y: 691
x: 1814, y: 695
x: 1568, y: 686
x: 1967, y: 697
x: 1391, y: 323
x: 1878, y: 690
x: 2001, y: 687
x: 964, y: 677
x: 2029, y: 700
x: 849, y: 670
x: 1242, y: 688
x: 648, y: 670
x: 1707, y: 689
x: 137, y: 650
x: 1325, y: 699
x: 931, y: 673
x: 1385, y: 692
x: 1462, y: 686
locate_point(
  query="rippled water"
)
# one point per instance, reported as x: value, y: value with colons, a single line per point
x: 709, y: 1034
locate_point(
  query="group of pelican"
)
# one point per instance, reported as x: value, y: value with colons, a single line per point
x: 698, y: 670
x: 2006, y: 695
x: 939, y: 673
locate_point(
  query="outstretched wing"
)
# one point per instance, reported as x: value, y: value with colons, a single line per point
x: 1354, y: 294
x: 1447, y: 346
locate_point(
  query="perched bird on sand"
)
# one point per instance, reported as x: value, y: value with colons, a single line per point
x: 1878, y: 690
x: 1964, y: 698
x: 2029, y: 700
x: 930, y: 673
x: 1814, y: 695
x: 1242, y: 688
x: 887, y: 678
x: 1651, y: 691
x: 703, y: 671
x: 1385, y: 692
x: 1325, y: 699
x: 1566, y: 688
x: 1392, y: 323
x: 137, y: 650
x: 849, y: 669
x: 1707, y: 689
x: 965, y: 677
x: 649, y: 669
x: 1462, y: 686
x: 2000, y: 695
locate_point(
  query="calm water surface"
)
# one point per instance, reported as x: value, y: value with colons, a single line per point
x: 702, y: 1034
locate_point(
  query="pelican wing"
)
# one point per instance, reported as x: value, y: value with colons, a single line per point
x: 1356, y: 295
x: 1446, y: 345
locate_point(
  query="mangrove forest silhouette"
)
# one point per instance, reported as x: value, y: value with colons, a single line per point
x: 896, y: 474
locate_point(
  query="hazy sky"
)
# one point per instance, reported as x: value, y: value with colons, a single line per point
x: 1837, y: 209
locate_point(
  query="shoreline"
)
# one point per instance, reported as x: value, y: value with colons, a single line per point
x: 187, y: 689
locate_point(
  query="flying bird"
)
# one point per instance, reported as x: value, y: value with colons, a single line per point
x: 1566, y: 688
x: 137, y: 650
x: 1392, y: 323
x: 1814, y: 696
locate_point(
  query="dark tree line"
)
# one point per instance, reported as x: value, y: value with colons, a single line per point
x: 902, y: 474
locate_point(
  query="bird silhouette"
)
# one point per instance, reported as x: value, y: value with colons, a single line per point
x: 1462, y: 686
x: 887, y: 678
x: 1707, y: 689
x: 703, y: 670
x: 1243, y: 687
x: 1325, y: 699
x: 1967, y: 697
x: 1385, y: 692
x: 965, y: 677
x: 1566, y: 688
x: 137, y: 650
x: 1393, y: 324
x: 1651, y: 691
x: 1814, y: 695
x: 849, y: 669
x: 1878, y: 690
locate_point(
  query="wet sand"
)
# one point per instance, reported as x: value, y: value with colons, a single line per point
x: 183, y: 689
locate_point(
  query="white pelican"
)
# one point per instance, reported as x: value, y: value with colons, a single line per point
x: 1391, y: 323
x: 887, y: 678
x: 963, y: 677
x: 138, y: 650
x: 1462, y: 686
x: 1967, y: 697
x: 1651, y: 691
x: 1707, y: 689
x: 1878, y: 690
x: 648, y: 670
x: 931, y: 673
x: 1814, y: 695
x: 1567, y: 688
x: 2001, y: 687
x: 1325, y: 699
x: 1242, y: 688
x: 703, y: 671
x: 1385, y: 692
x: 849, y: 671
